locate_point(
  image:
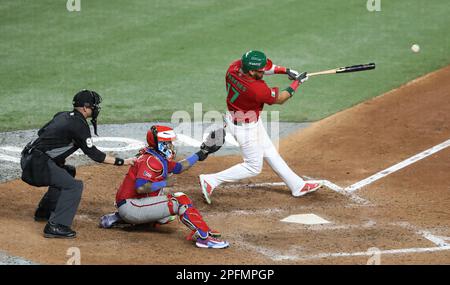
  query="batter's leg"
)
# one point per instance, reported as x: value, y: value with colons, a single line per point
x: 294, y: 182
x: 252, y: 153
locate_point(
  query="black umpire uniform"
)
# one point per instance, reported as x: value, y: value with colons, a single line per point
x: 43, y: 164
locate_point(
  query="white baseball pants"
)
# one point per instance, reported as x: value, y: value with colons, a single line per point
x: 256, y: 146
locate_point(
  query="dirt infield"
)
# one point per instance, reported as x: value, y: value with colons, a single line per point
x: 406, y: 215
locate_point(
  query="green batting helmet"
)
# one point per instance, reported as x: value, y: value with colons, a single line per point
x: 255, y: 60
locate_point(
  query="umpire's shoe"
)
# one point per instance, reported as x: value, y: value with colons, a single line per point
x: 53, y: 230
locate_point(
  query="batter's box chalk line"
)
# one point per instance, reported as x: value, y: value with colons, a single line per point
x: 349, y: 191
x: 294, y: 252
x: 398, y: 166
x: 355, y: 198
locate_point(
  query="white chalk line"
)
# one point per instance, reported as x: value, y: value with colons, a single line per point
x: 326, y: 183
x: 277, y: 255
x: 372, y: 253
x: 9, y: 158
x: 348, y: 191
x: 396, y: 167
x: 437, y: 240
x: 250, y: 212
x: 338, y: 189
x: 130, y: 145
x: 272, y: 254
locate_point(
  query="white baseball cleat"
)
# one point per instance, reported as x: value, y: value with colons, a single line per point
x: 207, y: 189
x: 309, y: 187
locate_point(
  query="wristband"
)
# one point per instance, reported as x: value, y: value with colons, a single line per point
x: 192, y: 159
x: 158, y: 185
x: 201, y: 155
x: 119, y: 161
x: 293, y: 87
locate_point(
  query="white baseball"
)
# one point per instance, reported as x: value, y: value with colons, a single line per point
x: 415, y: 48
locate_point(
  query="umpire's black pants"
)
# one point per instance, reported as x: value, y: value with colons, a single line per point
x: 63, y: 195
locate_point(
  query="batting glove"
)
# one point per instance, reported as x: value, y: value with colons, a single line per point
x: 292, y: 74
x: 302, y: 77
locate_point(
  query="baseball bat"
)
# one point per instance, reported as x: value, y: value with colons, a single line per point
x: 346, y: 69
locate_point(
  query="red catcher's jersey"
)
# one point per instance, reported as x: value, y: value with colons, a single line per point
x: 146, y: 167
x: 246, y: 96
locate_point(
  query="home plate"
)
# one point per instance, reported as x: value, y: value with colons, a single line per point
x: 306, y: 219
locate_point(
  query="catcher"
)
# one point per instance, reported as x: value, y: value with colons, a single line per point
x: 140, y: 199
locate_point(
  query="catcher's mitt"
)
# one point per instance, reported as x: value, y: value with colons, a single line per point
x: 213, y: 142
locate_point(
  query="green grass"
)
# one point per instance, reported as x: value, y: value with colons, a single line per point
x: 150, y: 58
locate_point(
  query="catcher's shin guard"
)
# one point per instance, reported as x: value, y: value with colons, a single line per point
x: 190, y: 216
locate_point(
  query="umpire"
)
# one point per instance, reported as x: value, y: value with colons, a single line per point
x: 43, y: 163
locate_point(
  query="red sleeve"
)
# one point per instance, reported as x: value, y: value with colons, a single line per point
x: 171, y: 165
x: 280, y: 69
x: 149, y: 168
x: 264, y: 94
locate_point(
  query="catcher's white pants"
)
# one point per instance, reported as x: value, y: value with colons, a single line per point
x: 146, y: 210
x: 256, y: 146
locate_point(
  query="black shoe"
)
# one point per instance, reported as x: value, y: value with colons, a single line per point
x: 42, y: 215
x: 53, y: 230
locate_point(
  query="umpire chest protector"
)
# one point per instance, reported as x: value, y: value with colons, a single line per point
x: 62, y: 136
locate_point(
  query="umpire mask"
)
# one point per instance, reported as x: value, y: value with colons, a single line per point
x: 90, y: 99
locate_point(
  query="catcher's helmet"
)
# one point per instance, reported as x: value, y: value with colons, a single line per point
x: 160, y: 138
x: 255, y: 60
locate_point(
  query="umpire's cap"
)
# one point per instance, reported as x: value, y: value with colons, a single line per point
x: 87, y: 98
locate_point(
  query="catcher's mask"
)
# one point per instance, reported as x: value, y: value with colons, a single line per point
x: 161, y: 139
x: 89, y: 99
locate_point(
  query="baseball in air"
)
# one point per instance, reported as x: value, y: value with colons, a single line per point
x: 415, y: 48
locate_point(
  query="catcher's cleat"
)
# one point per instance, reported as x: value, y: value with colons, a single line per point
x: 309, y: 187
x: 211, y: 242
x: 207, y: 189
x: 193, y: 235
x: 109, y: 220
